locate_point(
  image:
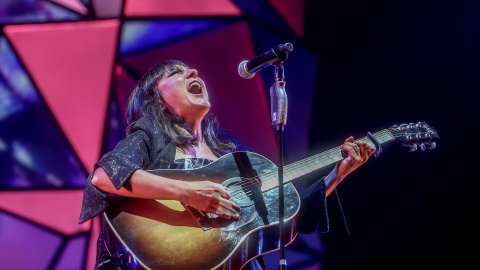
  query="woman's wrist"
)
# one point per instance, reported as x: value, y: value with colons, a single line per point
x: 178, y: 190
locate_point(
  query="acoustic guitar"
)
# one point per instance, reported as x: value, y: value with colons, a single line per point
x: 159, y: 234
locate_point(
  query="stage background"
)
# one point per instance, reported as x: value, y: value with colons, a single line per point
x: 67, y: 68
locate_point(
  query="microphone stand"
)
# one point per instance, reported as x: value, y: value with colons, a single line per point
x: 278, y: 101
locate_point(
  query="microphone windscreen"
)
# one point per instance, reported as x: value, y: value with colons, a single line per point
x: 242, y: 70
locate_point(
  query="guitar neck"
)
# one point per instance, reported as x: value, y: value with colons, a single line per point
x: 317, y: 162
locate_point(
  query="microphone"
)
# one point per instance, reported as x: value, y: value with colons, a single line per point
x: 247, y: 69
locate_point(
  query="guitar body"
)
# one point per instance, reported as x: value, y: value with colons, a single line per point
x: 160, y: 234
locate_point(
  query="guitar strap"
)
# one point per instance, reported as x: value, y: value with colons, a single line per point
x: 249, y: 174
x: 244, y: 165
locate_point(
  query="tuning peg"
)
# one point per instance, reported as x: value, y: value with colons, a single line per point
x: 419, y: 124
x: 432, y: 145
x: 413, y: 147
x: 423, y: 147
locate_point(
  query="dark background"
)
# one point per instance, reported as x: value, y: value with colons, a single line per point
x: 391, y: 62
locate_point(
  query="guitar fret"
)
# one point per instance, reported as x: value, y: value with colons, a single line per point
x: 270, y: 182
x: 310, y: 166
x: 290, y: 175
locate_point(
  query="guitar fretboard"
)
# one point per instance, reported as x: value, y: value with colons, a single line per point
x: 316, y: 162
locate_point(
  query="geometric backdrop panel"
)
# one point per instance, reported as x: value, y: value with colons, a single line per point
x: 185, y: 8
x: 292, y: 12
x: 262, y: 11
x: 141, y: 35
x: 75, y: 91
x: 43, y: 207
x: 75, y: 5
x: 107, y: 8
x: 28, y: 11
x: 34, y: 152
x: 69, y: 258
x: 37, y: 252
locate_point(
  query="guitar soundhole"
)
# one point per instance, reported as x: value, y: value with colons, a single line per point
x: 241, y: 191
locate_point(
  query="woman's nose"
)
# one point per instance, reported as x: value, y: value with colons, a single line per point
x: 192, y: 73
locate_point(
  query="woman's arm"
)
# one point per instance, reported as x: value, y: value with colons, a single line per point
x: 202, y: 195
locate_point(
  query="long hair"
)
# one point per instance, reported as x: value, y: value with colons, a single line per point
x: 145, y: 100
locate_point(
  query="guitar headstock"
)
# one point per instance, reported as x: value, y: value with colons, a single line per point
x: 415, y: 135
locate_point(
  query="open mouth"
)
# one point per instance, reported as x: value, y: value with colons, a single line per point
x: 195, y: 88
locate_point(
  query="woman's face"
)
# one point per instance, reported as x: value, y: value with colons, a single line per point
x: 184, y: 93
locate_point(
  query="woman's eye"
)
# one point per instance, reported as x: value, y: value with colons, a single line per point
x: 173, y: 72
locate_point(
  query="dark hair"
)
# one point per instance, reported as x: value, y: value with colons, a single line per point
x: 145, y: 101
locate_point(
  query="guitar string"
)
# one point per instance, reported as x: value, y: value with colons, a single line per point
x: 293, y: 167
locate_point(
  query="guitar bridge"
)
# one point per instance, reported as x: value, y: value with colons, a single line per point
x: 202, y: 218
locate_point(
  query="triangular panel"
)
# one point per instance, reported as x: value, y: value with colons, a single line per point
x: 56, y: 209
x: 107, y: 8
x: 23, y: 11
x: 24, y: 245
x: 185, y: 8
x: 138, y: 35
x: 72, y: 69
x: 75, y: 5
x: 241, y: 105
x: 263, y: 11
x: 292, y: 12
x: 70, y: 259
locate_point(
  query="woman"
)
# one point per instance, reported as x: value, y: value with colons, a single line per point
x: 169, y: 126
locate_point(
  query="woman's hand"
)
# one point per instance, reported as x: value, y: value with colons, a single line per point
x: 210, y: 197
x: 355, y: 154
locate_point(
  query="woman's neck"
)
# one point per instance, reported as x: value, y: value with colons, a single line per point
x: 192, y: 131
x: 196, y: 130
